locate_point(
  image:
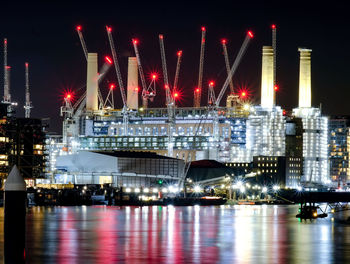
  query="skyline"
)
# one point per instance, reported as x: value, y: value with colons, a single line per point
x: 51, y: 46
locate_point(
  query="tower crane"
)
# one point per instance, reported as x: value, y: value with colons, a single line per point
x: 170, y: 102
x: 7, y: 95
x: 234, y: 67
x: 82, y: 41
x: 177, y: 71
x: 227, y: 62
x: 147, y: 92
x: 274, y: 47
x: 198, y: 89
x: 120, y: 80
x: 28, y: 104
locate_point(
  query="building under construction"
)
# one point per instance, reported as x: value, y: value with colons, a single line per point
x: 236, y: 132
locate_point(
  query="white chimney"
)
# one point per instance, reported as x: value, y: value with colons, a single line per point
x: 92, y: 83
x: 305, y: 78
x: 133, y: 89
x: 267, y: 91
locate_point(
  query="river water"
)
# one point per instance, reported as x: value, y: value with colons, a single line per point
x: 160, y: 234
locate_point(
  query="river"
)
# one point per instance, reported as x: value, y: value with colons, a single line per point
x: 160, y: 234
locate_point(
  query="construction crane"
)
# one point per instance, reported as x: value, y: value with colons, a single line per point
x: 211, y: 94
x: 177, y: 71
x: 148, y: 92
x: 7, y: 96
x: 170, y: 102
x: 234, y: 67
x: 274, y: 47
x: 227, y: 62
x: 82, y: 41
x: 120, y: 80
x: 274, y: 53
x: 198, y: 89
x: 28, y: 104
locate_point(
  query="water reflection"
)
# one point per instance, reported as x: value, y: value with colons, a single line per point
x: 226, y: 234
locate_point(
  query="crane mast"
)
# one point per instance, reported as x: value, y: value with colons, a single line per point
x: 28, y: 104
x: 120, y: 80
x: 198, y: 90
x: 177, y: 72
x: 227, y: 63
x: 170, y: 102
x: 82, y: 41
x: 274, y: 47
x: 274, y: 53
x: 7, y: 95
x: 142, y: 76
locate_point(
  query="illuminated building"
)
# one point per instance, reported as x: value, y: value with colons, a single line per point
x: 294, y: 152
x: 338, y: 149
x: 270, y: 170
x: 22, y: 142
x: 315, y: 128
x: 119, y: 168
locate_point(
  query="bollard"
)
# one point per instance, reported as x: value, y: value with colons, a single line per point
x: 14, y: 217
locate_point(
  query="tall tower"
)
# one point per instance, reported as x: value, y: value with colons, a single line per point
x: 133, y: 89
x: 92, y: 83
x: 267, y: 78
x: 305, y: 78
x: 28, y: 104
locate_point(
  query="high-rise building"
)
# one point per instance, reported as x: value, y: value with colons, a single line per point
x: 338, y: 149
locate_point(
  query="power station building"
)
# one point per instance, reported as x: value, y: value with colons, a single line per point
x: 230, y: 134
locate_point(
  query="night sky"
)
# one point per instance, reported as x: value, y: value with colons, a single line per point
x: 43, y: 33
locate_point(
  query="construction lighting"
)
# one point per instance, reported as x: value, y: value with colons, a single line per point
x: 242, y: 189
x: 164, y: 190
x: 155, y: 190
x: 264, y: 189
x: 173, y: 189
x: 197, y: 189
x: 275, y: 187
x: 128, y: 190
x: 137, y: 190
x: 299, y: 188
x: 146, y: 190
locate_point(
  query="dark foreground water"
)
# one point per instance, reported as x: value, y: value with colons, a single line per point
x: 225, y: 234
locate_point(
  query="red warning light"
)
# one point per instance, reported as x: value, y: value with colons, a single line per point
x: 211, y: 83
x: 109, y: 60
x: 284, y: 112
x: 161, y: 36
x: 5, y: 41
x: 223, y: 41
x: 68, y: 96
x: 276, y: 87
x: 112, y: 86
x: 136, y: 89
x: 251, y: 35
x: 78, y: 28
x: 197, y: 90
x: 109, y: 29
x: 243, y: 94
x: 176, y: 95
x: 135, y: 41
x: 273, y: 26
x: 179, y: 53
x: 203, y: 28
x: 26, y: 64
x: 154, y: 76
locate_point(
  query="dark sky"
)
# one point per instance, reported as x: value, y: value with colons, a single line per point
x: 43, y: 33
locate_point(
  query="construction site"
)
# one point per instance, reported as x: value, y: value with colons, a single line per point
x: 102, y: 143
